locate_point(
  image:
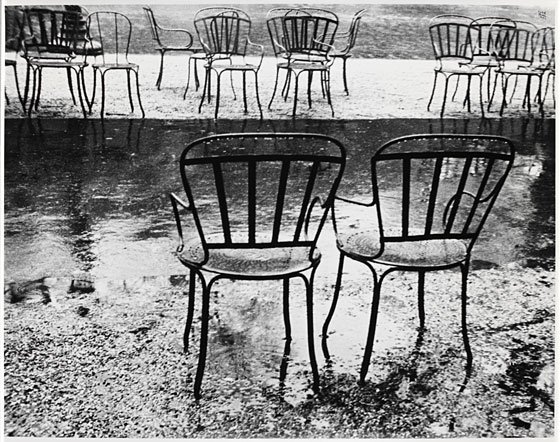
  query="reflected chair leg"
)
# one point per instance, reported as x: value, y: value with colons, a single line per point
x: 433, y: 90
x: 138, y: 94
x: 129, y: 90
x: 344, y: 59
x: 160, y: 74
x: 275, y: 87
x: 464, y: 279
x: 190, y: 311
x: 218, y: 86
x: 257, y: 93
x: 333, y: 308
x: 372, y: 326
x: 310, y: 333
x: 421, y: 311
x: 245, y: 90
x: 203, y: 339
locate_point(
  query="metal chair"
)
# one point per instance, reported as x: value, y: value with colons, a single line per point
x: 451, y: 42
x: 113, y: 31
x: 349, y: 39
x: 225, y: 36
x: 418, y: 180
x: 544, y: 46
x: 303, y: 39
x: 256, y: 204
x: 169, y: 40
x: 13, y: 44
x: 50, y: 41
x: 518, y: 57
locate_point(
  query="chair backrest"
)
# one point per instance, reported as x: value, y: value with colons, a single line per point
x: 153, y: 24
x: 451, y: 40
x: 438, y: 186
x: 112, y: 32
x: 514, y: 44
x: 223, y: 31
x: 261, y: 189
x: 352, y: 32
x: 49, y: 33
x: 484, y: 38
x: 309, y: 34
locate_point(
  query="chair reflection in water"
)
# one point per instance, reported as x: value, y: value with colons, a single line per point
x: 431, y: 197
x: 256, y: 204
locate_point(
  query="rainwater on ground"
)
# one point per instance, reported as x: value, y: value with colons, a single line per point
x: 88, y: 224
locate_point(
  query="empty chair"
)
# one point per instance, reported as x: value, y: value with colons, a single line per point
x: 544, y: 47
x: 113, y: 31
x: 451, y: 42
x: 304, y: 38
x: 345, y: 42
x: 225, y: 36
x: 50, y: 41
x: 255, y: 207
x: 13, y: 46
x: 431, y: 197
x: 169, y: 40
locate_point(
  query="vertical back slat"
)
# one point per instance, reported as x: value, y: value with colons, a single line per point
x: 460, y: 189
x: 220, y: 189
x: 433, y: 196
x: 405, y: 195
x: 478, y: 196
x: 280, y: 200
x: 306, y: 199
x: 252, y: 199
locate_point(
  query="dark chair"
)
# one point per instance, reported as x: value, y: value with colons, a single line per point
x: 225, y: 36
x: 113, y: 31
x: 256, y: 204
x: 544, y: 40
x: 347, y: 40
x: 518, y: 58
x: 303, y: 39
x: 13, y: 45
x: 431, y: 197
x: 169, y: 40
x: 50, y: 41
x: 451, y: 42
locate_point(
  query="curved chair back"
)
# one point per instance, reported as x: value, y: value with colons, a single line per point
x: 223, y: 31
x: 309, y: 34
x: 451, y: 40
x: 153, y: 24
x: 485, y: 38
x: 352, y: 32
x: 261, y: 190
x: 514, y: 44
x: 112, y: 31
x: 438, y: 186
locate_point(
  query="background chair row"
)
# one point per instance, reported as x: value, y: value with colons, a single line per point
x: 491, y: 48
x: 432, y: 195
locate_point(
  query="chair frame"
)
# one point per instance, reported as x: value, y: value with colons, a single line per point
x: 121, y: 61
x: 208, y: 276
x: 207, y: 27
x: 162, y: 48
x: 448, y: 217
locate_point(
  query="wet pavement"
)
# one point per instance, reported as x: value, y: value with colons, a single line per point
x: 87, y: 198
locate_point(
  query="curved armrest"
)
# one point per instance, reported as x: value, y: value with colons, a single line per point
x: 261, y: 50
x: 347, y: 201
x: 186, y: 33
x: 331, y: 48
x: 176, y: 202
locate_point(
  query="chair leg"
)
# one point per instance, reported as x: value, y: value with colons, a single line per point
x: 433, y: 90
x: 190, y: 311
x: 79, y: 82
x: 275, y: 87
x: 288, y: 330
x: 330, y: 315
x: 295, y: 96
x: 309, y: 81
x: 39, y: 86
x: 20, y: 97
x: 103, y: 94
x: 188, y: 77
x: 70, y: 85
x: 464, y: 278
x: 504, y: 92
x: 328, y: 87
x: 468, y: 94
x: 421, y: 311
x: 138, y: 94
x: 33, y: 92
x: 444, y: 97
x: 129, y: 90
x: 218, y: 86
x: 344, y: 59
x: 481, y: 79
x: 456, y: 89
x: 257, y: 93
x: 372, y: 326
x: 203, y: 339
x: 26, y: 89
x: 160, y: 74
x: 310, y: 333
x: 204, y: 88
x: 245, y: 90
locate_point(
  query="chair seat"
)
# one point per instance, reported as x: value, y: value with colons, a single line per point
x: 56, y: 63
x: 235, y: 67
x: 176, y: 48
x: 462, y: 69
x: 484, y: 60
x: 9, y: 62
x: 308, y: 66
x: 521, y: 70
x: 252, y: 262
x: 426, y: 253
x: 115, y: 66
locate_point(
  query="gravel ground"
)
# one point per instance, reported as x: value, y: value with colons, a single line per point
x: 379, y: 88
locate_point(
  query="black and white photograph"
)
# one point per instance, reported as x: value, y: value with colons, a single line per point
x: 267, y: 220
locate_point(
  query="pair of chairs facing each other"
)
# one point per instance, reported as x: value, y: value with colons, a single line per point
x: 292, y: 179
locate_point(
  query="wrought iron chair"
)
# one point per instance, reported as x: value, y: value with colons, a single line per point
x: 256, y: 204
x: 13, y: 45
x: 418, y: 180
x: 113, y: 31
x: 544, y: 39
x: 451, y: 42
x: 225, y: 36
x: 50, y: 41
x: 349, y: 39
x: 169, y: 40
x: 518, y: 57
x: 303, y: 39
